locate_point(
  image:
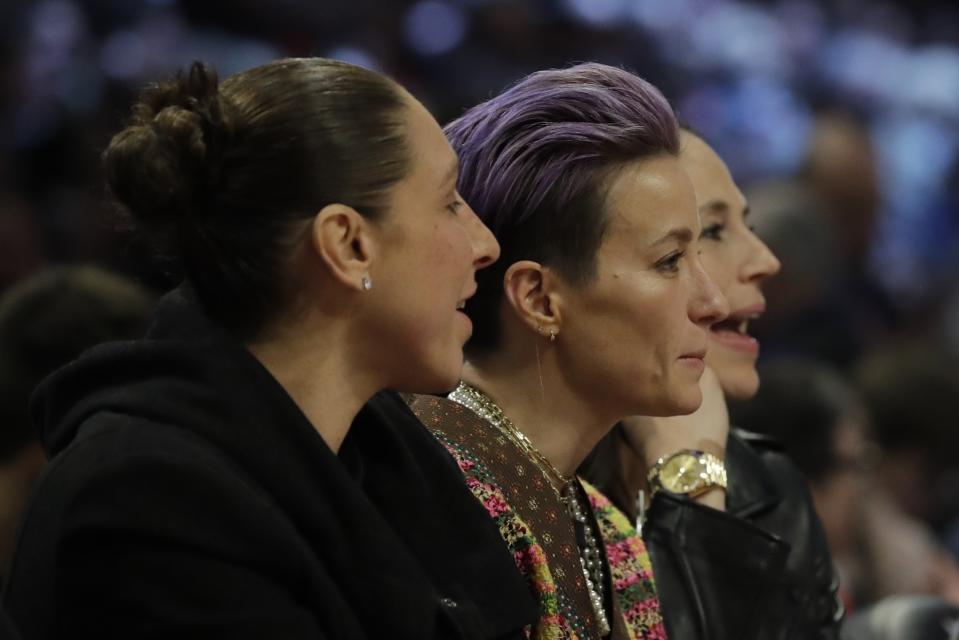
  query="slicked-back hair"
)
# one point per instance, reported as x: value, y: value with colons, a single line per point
x: 534, y: 165
x: 225, y: 176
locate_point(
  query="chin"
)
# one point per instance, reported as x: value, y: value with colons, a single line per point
x: 433, y: 385
x: 447, y: 384
x: 676, y: 404
x: 738, y: 383
x: 690, y: 405
x: 435, y: 376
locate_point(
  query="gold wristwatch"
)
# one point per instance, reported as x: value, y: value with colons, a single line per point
x: 687, y: 473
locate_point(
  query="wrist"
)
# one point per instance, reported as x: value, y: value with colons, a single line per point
x: 656, y: 451
x: 691, y: 474
x: 715, y: 498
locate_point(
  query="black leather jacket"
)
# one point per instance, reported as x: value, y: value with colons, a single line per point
x: 767, y: 489
x: 759, y: 570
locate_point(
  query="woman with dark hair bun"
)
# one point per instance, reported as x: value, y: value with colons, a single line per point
x: 201, y: 483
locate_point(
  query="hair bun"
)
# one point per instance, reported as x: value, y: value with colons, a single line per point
x: 160, y: 167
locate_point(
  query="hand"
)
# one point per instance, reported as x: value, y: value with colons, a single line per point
x: 706, y: 429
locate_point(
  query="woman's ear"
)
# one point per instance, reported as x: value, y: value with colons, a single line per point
x: 530, y: 288
x: 344, y: 240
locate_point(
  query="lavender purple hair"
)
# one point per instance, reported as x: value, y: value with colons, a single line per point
x: 534, y: 164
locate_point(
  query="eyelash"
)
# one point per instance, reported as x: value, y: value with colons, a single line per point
x: 454, y: 206
x: 670, y: 263
x: 713, y: 232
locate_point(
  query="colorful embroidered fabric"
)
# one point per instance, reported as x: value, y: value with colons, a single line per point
x: 556, y: 615
x: 630, y: 567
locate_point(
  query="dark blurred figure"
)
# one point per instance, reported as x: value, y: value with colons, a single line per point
x: 912, y: 393
x: 45, y: 322
x: 905, y: 618
x: 800, y: 317
x: 841, y: 169
x: 824, y: 426
x: 21, y: 247
x: 833, y: 307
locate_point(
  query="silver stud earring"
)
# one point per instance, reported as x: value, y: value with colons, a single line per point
x: 367, y: 283
x: 552, y: 335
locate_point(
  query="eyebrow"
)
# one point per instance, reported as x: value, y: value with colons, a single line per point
x: 681, y: 234
x: 720, y: 206
x: 715, y: 206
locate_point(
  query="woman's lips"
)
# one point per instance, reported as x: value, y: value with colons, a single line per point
x: 735, y: 340
x: 733, y: 331
x: 465, y: 320
x: 696, y: 359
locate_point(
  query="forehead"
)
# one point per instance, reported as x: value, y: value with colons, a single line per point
x: 650, y: 197
x: 430, y: 152
x: 707, y: 171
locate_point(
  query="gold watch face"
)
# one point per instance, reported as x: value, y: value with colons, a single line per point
x: 682, y: 473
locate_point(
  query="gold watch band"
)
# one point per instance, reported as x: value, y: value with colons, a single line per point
x: 688, y: 472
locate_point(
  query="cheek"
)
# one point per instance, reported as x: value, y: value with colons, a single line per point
x: 435, y: 267
x: 636, y: 323
x: 621, y: 309
x: 599, y: 332
x: 443, y: 277
x: 669, y: 319
x: 450, y: 251
x: 420, y: 282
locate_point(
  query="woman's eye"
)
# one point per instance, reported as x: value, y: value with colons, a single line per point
x: 454, y: 206
x: 713, y: 232
x: 670, y: 264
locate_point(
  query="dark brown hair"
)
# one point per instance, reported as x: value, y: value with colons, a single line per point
x: 49, y: 319
x: 224, y: 176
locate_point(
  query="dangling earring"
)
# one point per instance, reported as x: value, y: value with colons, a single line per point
x: 539, y: 369
x: 551, y: 335
x: 367, y: 283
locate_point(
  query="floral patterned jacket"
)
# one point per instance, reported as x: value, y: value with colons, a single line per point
x: 536, y: 528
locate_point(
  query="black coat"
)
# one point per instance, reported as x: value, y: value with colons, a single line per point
x: 188, y: 497
x: 767, y: 489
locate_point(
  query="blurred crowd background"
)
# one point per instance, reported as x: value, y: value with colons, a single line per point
x: 839, y: 119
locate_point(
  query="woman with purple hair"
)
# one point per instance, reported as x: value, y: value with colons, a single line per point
x: 598, y: 309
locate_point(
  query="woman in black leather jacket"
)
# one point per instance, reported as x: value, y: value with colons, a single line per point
x: 765, y: 492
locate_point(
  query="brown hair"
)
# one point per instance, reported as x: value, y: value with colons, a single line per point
x: 224, y: 176
x: 49, y: 319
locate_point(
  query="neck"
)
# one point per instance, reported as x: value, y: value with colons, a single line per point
x: 318, y: 370
x: 633, y: 469
x: 561, y: 424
